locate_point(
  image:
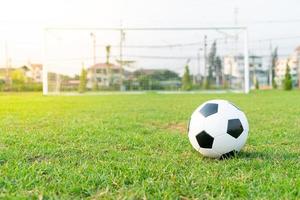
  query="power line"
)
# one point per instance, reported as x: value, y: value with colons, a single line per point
x: 150, y: 57
x: 276, y: 38
x: 147, y: 28
x: 274, y: 21
x: 156, y: 46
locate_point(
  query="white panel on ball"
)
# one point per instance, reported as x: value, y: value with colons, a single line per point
x: 224, y: 144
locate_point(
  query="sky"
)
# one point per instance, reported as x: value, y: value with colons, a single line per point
x: 270, y: 22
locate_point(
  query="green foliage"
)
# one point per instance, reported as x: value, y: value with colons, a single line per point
x: 274, y: 84
x: 256, y: 84
x: 18, y: 80
x: 186, y: 79
x: 83, y: 81
x: 107, y: 48
x: 218, y: 67
x: 211, y: 64
x: 155, y: 80
x: 2, y: 85
x: 146, y: 82
x: 226, y: 84
x: 136, y: 147
x: 33, y: 87
x: 287, y: 82
x: 165, y: 75
x: 206, y: 84
x: 95, y: 86
x: 214, y: 77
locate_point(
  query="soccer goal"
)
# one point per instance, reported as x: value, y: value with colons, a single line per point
x: 138, y: 59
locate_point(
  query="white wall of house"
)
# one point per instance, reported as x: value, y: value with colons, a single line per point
x: 281, y: 65
x: 105, y: 77
x: 234, y: 67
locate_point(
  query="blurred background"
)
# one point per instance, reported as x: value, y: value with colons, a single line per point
x: 130, y: 45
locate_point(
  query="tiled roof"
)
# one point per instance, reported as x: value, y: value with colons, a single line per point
x: 33, y: 66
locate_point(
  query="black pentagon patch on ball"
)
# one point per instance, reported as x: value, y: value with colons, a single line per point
x: 205, y: 140
x: 209, y: 109
x: 235, y: 128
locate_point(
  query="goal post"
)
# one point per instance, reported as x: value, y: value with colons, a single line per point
x: 67, y: 45
x: 246, y: 62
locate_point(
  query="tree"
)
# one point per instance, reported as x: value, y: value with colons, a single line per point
x: 273, y: 65
x: 145, y: 82
x: 153, y: 80
x: 163, y: 75
x: 2, y: 85
x: 18, y: 80
x: 256, y: 84
x: 186, y: 79
x: 83, y: 80
x: 287, y: 82
x: 211, y: 65
x: 218, y: 64
x: 107, y: 48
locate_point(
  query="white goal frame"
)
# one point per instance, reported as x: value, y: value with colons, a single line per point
x: 121, y: 30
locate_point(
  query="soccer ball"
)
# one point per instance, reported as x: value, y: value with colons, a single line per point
x: 218, y: 129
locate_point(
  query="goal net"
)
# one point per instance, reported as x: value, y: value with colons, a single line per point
x: 137, y: 59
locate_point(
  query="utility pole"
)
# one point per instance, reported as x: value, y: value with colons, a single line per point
x: 204, y: 59
x: 230, y: 75
x: 45, y: 68
x: 93, y: 37
x: 246, y: 63
x: 122, y: 38
x: 198, y: 65
x: 6, y: 63
x: 271, y: 66
x: 236, y: 13
x: 298, y: 63
x: 255, y: 80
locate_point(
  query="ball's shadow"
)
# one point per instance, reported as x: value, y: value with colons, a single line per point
x: 266, y: 155
x: 229, y: 155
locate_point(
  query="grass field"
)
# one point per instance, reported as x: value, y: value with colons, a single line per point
x: 136, y: 146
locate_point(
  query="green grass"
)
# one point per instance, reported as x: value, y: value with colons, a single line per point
x: 135, y: 146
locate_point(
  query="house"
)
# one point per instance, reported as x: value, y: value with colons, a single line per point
x: 36, y: 72
x: 293, y: 61
x: 258, y: 72
x: 105, y: 75
x: 4, y: 74
x: 234, y: 71
x: 280, y: 70
x: 7, y: 73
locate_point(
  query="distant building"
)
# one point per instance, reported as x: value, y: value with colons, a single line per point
x: 36, y: 72
x: 234, y: 71
x: 280, y: 70
x: 258, y: 72
x: 26, y: 72
x: 294, y: 63
x: 32, y: 72
x: 105, y: 75
x: 4, y: 74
